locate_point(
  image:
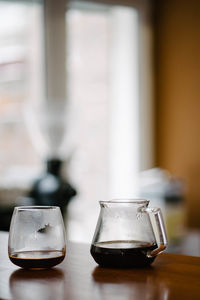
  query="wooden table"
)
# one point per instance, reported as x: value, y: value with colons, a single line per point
x: 78, y: 277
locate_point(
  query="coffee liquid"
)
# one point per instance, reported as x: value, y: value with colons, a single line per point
x: 37, y: 259
x: 122, y: 254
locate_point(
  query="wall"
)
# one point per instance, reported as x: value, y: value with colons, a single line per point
x: 177, y: 58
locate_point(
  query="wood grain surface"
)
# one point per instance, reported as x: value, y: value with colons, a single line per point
x: 78, y: 277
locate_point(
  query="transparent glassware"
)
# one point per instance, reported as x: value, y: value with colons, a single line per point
x: 128, y: 234
x: 36, y: 237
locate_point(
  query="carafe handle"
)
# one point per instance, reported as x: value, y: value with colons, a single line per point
x: 158, y: 225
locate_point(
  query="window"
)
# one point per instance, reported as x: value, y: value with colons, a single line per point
x: 105, y: 86
x: 104, y: 67
x: 21, y: 81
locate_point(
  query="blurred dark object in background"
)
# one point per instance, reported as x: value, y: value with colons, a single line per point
x: 5, y: 217
x: 26, y: 188
x: 51, y: 188
x: 14, y: 197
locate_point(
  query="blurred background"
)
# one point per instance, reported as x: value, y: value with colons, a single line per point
x: 100, y: 100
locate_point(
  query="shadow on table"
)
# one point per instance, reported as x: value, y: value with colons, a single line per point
x: 37, y: 284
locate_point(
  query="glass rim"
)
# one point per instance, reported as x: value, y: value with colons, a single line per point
x: 125, y: 200
x: 35, y: 207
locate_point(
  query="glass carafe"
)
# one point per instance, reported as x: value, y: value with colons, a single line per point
x: 128, y: 234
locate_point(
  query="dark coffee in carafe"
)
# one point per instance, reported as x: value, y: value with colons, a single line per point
x: 122, y: 254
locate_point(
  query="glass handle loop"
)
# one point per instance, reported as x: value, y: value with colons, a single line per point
x: 158, y: 225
